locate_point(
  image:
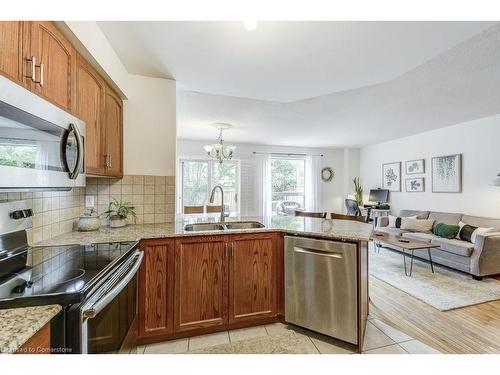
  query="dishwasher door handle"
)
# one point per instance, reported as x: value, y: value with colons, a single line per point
x: 310, y: 251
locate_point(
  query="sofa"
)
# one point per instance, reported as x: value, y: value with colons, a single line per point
x: 478, y: 259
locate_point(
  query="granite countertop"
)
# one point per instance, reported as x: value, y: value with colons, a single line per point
x: 343, y: 230
x: 18, y: 325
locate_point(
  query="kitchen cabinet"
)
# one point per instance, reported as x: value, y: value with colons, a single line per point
x: 11, y: 53
x: 36, y: 55
x: 90, y: 108
x: 113, y: 124
x: 252, y: 277
x: 156, y: 288
x: 55, y: 63
x: 201, y: 284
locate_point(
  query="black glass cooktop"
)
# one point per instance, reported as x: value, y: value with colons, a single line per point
x: 62, y: 274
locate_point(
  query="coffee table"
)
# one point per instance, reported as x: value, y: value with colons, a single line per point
x: 405, y: 244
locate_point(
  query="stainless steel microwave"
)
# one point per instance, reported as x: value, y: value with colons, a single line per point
x: 41, y: 146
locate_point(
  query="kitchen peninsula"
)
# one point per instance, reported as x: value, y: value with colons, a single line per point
x: 195, y: 282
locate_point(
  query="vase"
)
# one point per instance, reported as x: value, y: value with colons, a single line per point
x: 88, y: 223
x: 117, y: 222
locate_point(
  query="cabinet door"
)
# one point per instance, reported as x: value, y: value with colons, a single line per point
x: 58, y: 57
x: 200, y: 283
x: 252, y: 278
x: 11, y: 52
x: 90, y: 108
x: 114, y: 133
x: 156, y: 288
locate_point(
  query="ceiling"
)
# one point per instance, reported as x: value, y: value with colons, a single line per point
x: 318, y: 84
x: 281, y: 61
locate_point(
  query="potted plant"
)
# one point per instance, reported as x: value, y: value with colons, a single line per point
x: 118, y: 212
x: 358, y: 191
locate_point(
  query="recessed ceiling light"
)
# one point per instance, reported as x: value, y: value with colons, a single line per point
x: 250, y: 24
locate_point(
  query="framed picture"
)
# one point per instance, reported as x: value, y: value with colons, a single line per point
x: 447, y: 174
x: 415, y: 185
x: 415, y: 166
x: 391, y: 176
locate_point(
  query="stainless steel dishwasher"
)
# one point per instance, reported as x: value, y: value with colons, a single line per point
x: 321, y: 286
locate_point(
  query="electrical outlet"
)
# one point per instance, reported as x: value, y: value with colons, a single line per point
x: 89, y: 201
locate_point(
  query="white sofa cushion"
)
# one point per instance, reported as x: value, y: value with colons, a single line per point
x: 417, y: 225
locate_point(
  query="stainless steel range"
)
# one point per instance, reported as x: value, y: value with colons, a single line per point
x: 96, y: 285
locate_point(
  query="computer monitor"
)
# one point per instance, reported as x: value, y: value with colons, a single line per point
x: 379, y: 195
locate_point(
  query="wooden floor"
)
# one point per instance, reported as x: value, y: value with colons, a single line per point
x: 468, y: 330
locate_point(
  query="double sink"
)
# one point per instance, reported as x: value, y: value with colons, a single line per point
x: 236, y: 225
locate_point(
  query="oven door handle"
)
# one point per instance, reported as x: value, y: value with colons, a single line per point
x: 96, y: 307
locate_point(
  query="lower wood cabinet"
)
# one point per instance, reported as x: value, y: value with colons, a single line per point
x: 199, y: 284
x: 252, y: 277
x: 156, y: 288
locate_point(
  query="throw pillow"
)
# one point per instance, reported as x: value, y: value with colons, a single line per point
x: 446, y: 230
x: 417, y: 225
x: 469, y: 232
x: 395, y: 221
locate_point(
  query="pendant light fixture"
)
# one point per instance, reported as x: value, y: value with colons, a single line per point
x: 219, y: 151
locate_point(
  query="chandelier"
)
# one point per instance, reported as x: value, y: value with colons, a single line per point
x: 219, y: 151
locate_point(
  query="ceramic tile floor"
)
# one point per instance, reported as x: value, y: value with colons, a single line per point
x: 380, y: 338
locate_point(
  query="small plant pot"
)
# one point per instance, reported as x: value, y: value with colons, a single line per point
x: 117, y: 222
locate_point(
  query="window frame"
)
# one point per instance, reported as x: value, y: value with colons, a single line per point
x: 288, y: 157
x: 210, y: 170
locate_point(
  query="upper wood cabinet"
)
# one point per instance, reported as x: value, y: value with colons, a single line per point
x: 113, y: 125
x: 200, y: 283
x: 11, y: 51
x: 252, y: 277
x: 90, y: 108
x: 55, y: 64
x: 36, y: 55
x: 156, y: 288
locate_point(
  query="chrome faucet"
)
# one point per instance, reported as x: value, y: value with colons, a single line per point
x: 212, y: 196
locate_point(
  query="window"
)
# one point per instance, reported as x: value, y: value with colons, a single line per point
x: 200, y: 176
x: 287, y: 181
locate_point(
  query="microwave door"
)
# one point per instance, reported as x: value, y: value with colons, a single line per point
x: 42, y: 148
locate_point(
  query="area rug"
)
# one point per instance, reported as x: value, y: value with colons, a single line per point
x: 284, y: 343
x: 444, y: 289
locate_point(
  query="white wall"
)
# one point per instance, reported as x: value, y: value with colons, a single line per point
x: 149, y: 126
x: 479, y: 143
x: 331, y: 193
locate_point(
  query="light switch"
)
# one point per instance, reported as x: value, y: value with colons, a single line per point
x: 89, y: 201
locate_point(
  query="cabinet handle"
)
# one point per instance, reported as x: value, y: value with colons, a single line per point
x: 226, y: 249
x: 110, y: 161
x: 231, y: 251
x: 41, y: 75
x: 33, y: 67
x: 106, y: 162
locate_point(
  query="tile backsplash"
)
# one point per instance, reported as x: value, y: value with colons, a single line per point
x: 57, y: 212
x: 54, y: 212
x: 152, y: 196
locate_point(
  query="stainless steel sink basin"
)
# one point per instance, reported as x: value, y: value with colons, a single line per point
x: 244, y: 225
x: 201, y: 227
x: 237, y: 225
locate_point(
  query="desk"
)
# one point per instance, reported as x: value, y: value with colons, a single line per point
x: 374, y: 213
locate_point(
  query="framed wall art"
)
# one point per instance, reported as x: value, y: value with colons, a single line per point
x: 415, y: 166
x: 447, y: 174
x: 391, y: 176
